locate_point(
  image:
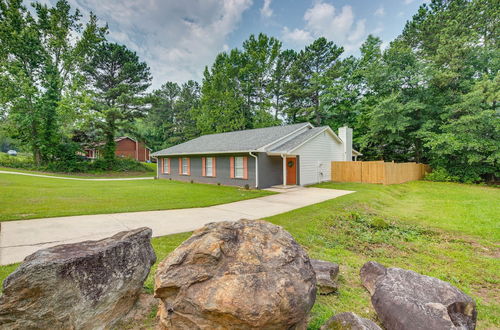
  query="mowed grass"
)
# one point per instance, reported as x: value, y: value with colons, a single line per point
x: 431, y: 228
x: 25, y: 197
x: 445, y: 230
x: 449, y: 231
x: 151, y: 172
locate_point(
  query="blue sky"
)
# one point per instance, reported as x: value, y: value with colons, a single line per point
x: 177, y: 38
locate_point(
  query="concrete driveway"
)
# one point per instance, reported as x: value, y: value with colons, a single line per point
x: 19, y: 239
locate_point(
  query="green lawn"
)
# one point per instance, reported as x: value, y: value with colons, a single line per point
x: 93, y: 175
x: 449, y: 231
x: 151, y: 166
x: 25, y: 197
x: 445, y: 230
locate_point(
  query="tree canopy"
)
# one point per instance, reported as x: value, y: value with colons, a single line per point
x: 430, y: 96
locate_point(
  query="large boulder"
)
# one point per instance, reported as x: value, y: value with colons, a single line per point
x: 326, y: 275
x: 87, y: 285
x: 404, y: 299
x: 236, y: 275
x: 349, y: 321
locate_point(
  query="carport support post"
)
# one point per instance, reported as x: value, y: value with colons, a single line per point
x: 284, y: 169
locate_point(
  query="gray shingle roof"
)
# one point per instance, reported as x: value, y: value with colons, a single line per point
x: 298, y: 140
x: 238, y: 141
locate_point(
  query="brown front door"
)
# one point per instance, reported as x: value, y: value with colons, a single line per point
x: 291, y: 171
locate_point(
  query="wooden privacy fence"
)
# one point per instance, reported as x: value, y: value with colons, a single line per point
x: 378, y: 172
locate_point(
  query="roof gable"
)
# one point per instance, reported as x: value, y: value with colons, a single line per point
x: 303, y: 138
x: 233, y: 142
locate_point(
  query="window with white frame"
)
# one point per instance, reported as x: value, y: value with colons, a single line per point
x: 185, y: 166
x: 209, y: 166
x: 238, y: 167
x: 166, y: 165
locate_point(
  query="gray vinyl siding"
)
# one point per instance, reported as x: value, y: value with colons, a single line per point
x: 270, y: 170
x: 222, y: 170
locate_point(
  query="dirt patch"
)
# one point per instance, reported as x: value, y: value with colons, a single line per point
x: 142, y: 316
x: 491, y: 252
x: 489, y: 293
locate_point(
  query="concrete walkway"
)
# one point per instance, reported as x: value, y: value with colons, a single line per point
x: 78, y: 179
x: 19, y: 239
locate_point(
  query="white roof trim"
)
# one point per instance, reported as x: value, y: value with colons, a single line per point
x: 206, y: 153
x: 263, y: 148
x: 327, y: 129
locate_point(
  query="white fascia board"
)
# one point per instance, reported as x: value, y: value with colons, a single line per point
x: 327, y: 129
x: 263, y: 148
x: 280, y: 154
x: 206, y: 153
x: 334, y: 135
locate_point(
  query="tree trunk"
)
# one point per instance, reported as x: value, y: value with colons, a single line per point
x: 316, y: 107
x: 35, y: 147
x: 277, y: 110
x: 37, y: 156
x: 110, y: 146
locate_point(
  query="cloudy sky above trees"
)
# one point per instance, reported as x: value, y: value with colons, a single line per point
x: 177, y: 38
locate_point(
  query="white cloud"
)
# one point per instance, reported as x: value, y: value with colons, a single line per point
x: 380, y: 11
x: 323, y: 20
x: 297, y: 36
x: 407, y: 2
x: 266, y: 10
x: 378, y: 29
x: 176, y: 38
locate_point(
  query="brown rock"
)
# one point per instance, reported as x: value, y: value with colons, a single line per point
x: 404, y: 299
x: 326, y: 275
x: 236, y: 275
x: 86, y: 285
x: 349, y: 321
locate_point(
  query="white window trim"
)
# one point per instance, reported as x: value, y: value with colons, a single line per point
x: 209, y: 170
x: 236, y: 176
x: 185, y: 165
x: 166, y: 167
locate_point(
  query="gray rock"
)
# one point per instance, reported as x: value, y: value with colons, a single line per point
x: 326, y: 275
x: 86, y: 285
x: 349, y: 321
x: 404, y: 299
x: 370, y: 273
x: 236, y: 275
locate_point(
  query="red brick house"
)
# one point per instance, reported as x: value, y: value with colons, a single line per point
x: 126, y: 147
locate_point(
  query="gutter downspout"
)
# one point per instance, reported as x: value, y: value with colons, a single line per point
x: 256, y: 169
x: 284, y: 169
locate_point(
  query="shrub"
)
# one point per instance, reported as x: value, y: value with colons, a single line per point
x: 19, y: 161
x: 67, y: 166
x: 119, y: 165
x: 68, y: 161
x: 247, y: 187
x: 379, y: 223
x: 441, y: 175
x: 361, y: 232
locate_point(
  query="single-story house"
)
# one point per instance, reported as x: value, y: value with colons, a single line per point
x: 126, y: 147
x: 298, y: 154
